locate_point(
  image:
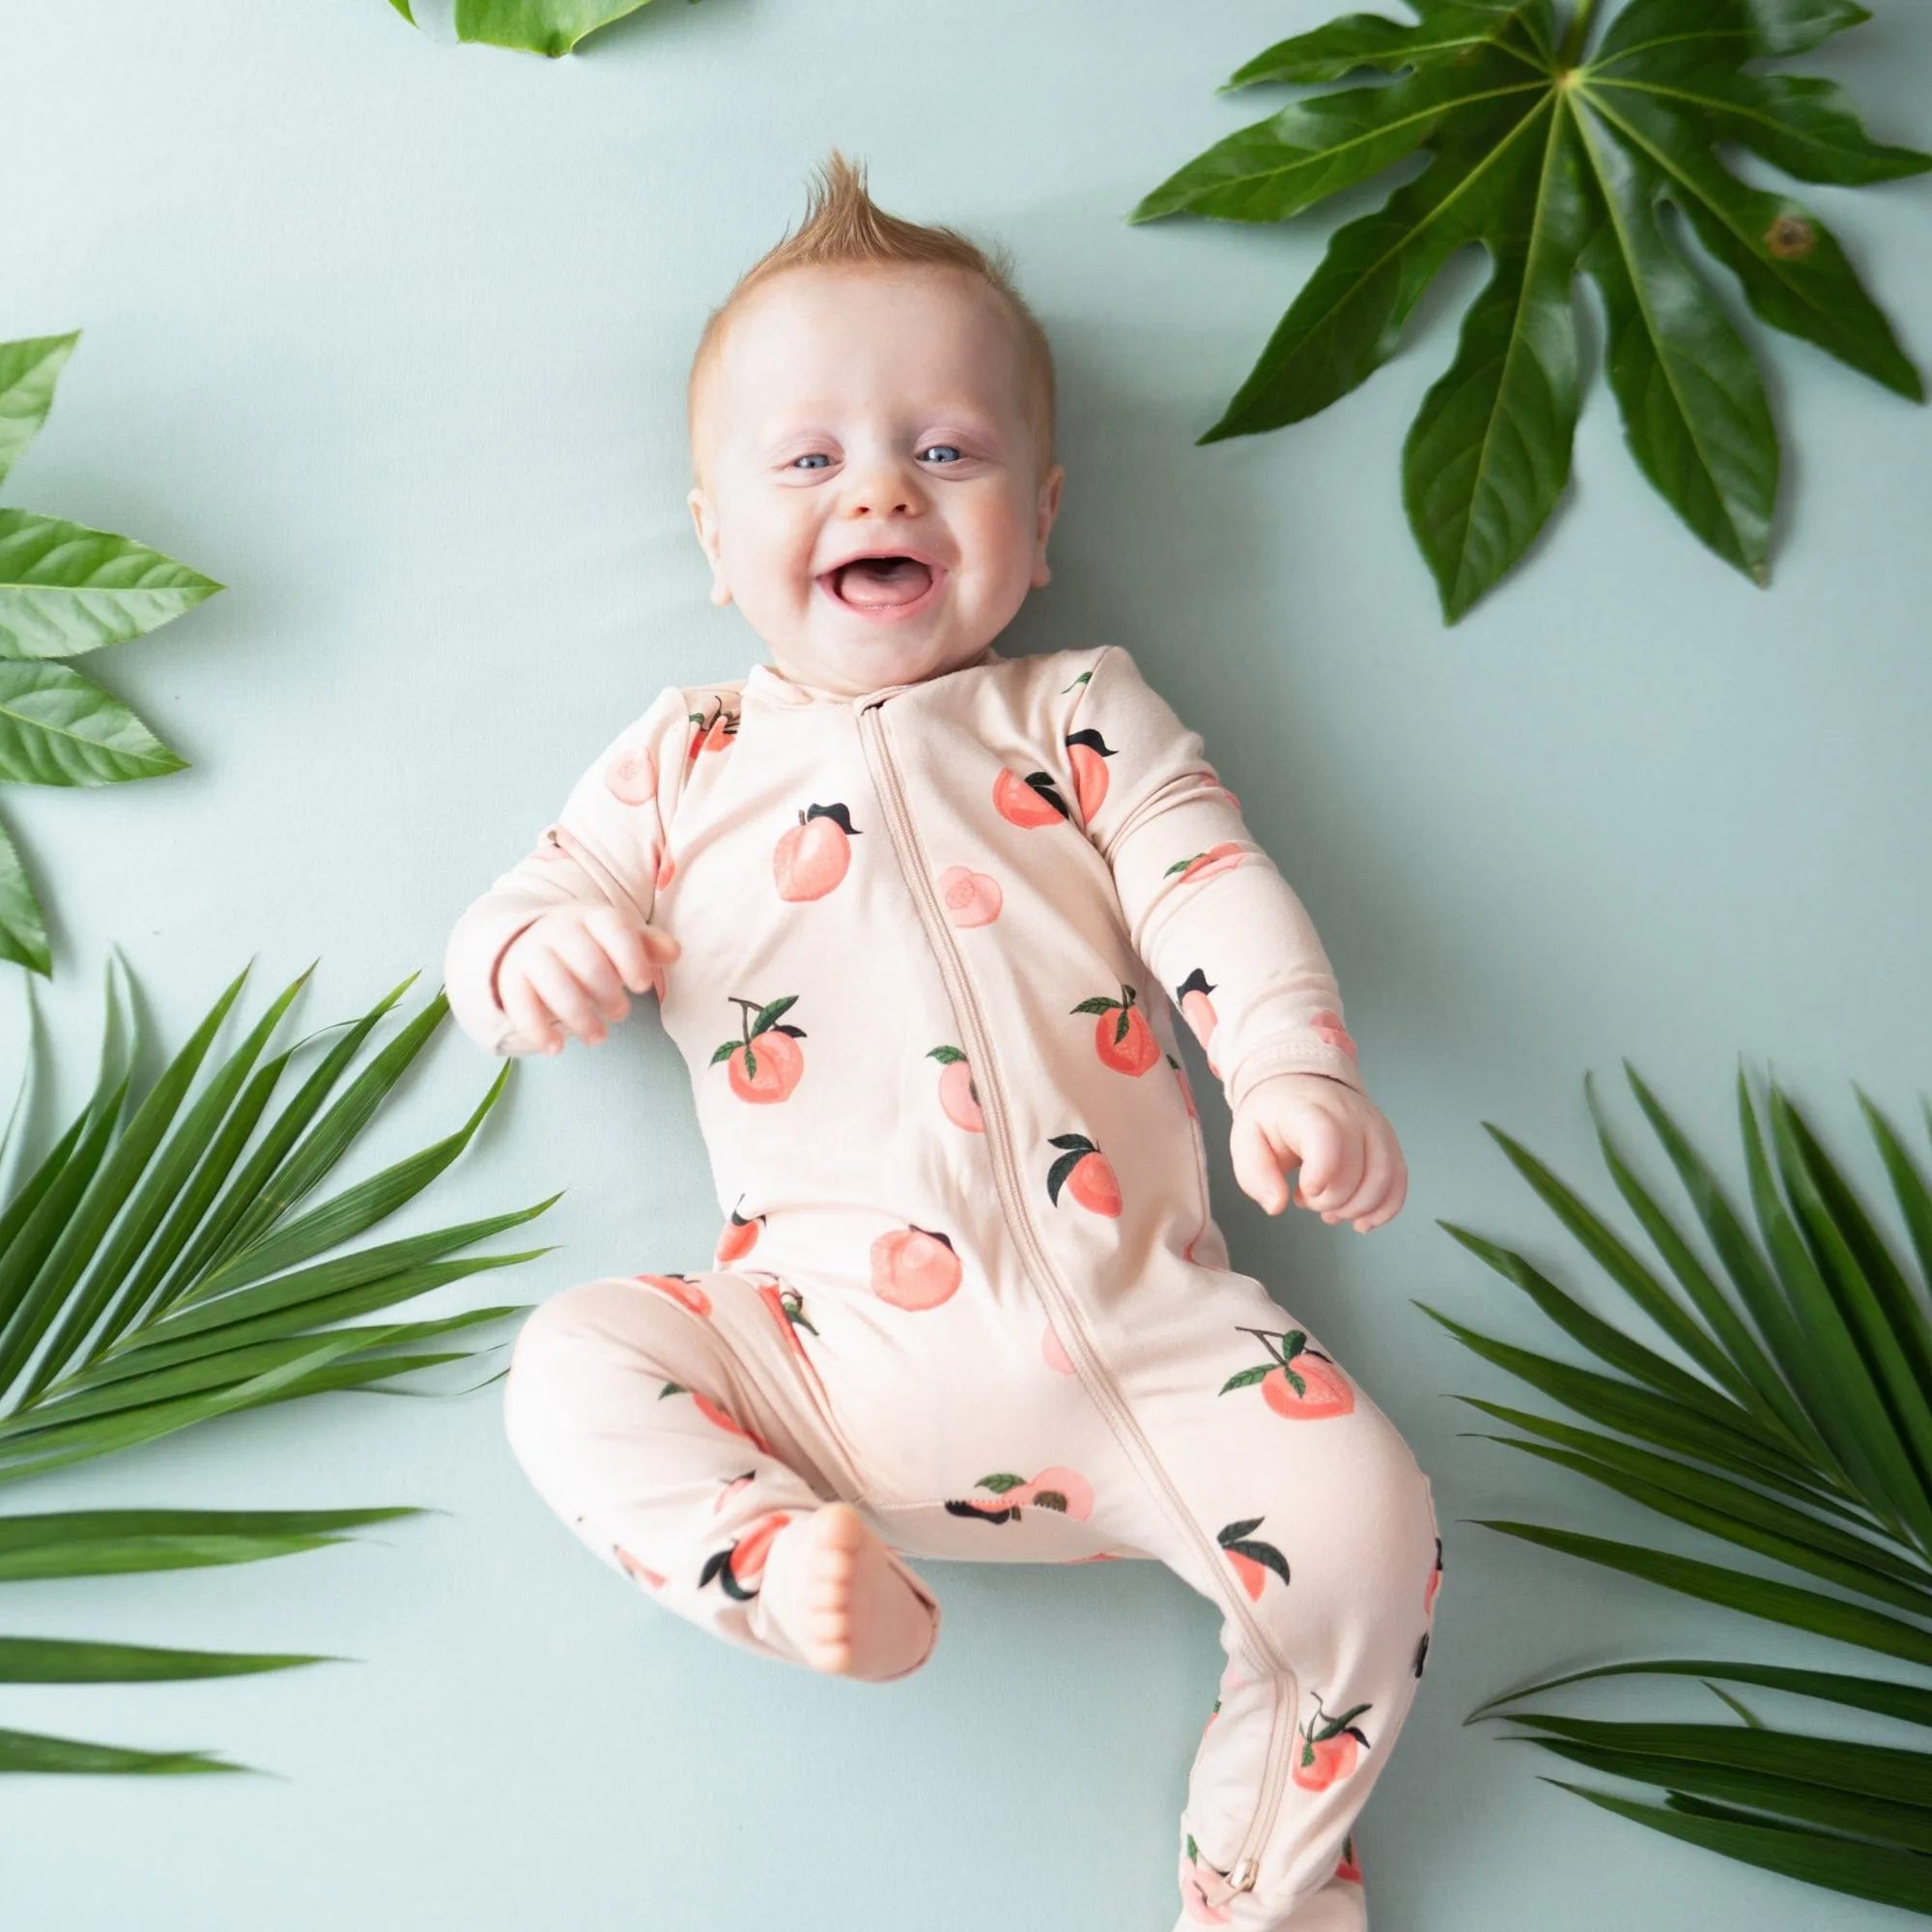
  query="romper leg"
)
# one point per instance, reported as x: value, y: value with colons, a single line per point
x: 1328, y: 1530
x: 634, y: 1410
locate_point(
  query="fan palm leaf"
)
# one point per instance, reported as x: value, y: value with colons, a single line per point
x: 160, y: 1265
x: 1797, y: 1427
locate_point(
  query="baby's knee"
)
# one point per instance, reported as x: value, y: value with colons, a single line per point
x: 1378, y: 1512
x: 566, y: 1344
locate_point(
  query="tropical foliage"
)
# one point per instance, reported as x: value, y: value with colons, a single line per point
x: 1791, y: 1420
x: 66, y: 589
x: 538, y: 26
x: 162, y: 1263
x: 1558, y: 149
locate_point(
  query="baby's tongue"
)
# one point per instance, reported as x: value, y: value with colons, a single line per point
x: 879, y: 583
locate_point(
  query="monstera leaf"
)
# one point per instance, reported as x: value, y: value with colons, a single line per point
x: 65, y: 589
x: 537, y: 26
x: 1559, y: 150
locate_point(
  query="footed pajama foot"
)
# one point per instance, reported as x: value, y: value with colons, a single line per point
x: 844, y: 1598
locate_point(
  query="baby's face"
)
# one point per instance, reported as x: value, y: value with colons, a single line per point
x: 883, y: 414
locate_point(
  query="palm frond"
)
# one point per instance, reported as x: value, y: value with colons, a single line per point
x: 163, y: 1263
x: 1796, y: 1429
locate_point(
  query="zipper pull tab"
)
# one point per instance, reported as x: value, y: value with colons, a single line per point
x: 1241, y: 1879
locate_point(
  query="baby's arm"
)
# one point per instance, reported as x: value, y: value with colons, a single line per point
x: 1212, y: 915
x: 551, y: 948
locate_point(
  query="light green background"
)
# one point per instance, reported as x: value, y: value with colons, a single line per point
x: 390, y: 336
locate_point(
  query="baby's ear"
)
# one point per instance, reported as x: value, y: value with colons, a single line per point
x: 1048, y: 509
x: 707, y: 536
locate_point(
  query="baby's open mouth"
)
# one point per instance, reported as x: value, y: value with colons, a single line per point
x: 879, y: 583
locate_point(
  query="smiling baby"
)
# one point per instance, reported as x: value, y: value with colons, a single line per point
x: 916, y: 913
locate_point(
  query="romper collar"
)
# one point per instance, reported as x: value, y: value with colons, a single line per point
x: 766, y: 683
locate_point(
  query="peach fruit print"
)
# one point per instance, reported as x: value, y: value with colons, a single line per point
x: 1329, y: 1747
x: 1222, y: 858
x: 970, y: 897
x: 1085, y: 752
x: 715, y: 1415
x: 1186, y: 1095
x: 1198, y: 1011
x: 1252, y: 1559
x: 739, y: 1237
x: 1328, y: 1028
x: 1085, y: 1173
x: 1435, y: 1584
x: 1030, y: 800
x: 787, y: 1306
x: 813, y: 856
x: 766, y: 1064
x: 1197, y: 1881
x: 667, y: 869
x: 1052, y: 1352
x: 1297, y: 1381
x: 1065, y: 1490
x: 714, y: 730
x: 632, y: 776
x: 681, y: 1289
x: 737, y: 1570
x: 958, y: 1097
x: 642, y: 1572
x: 1121, y: 1035
x: 1351, y: 1866
x: 915, y: 1267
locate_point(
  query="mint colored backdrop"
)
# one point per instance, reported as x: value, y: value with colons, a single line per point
x: 390, y: 336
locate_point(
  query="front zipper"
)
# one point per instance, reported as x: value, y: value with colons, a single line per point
x: 1061, y: 1306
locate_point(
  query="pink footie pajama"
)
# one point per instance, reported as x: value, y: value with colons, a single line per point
x: 969, y: 1281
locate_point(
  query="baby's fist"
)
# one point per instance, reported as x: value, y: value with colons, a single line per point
x: 571, y: 972
x: 1352, y: 1168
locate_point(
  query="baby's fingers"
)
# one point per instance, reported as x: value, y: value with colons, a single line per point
x: 573, y: 1007
x: 525, y: 1011
x: 1331, y: 1162
x: 1258, y: 1166
x: 1378, y: 1167
x: 628, y: 950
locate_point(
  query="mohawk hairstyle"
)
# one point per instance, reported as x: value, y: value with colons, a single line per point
x: 843, y: 227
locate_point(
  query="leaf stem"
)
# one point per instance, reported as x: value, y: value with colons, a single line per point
x: 1580, y: 30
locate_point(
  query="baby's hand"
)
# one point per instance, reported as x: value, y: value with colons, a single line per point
x: 1352, y: 1169
x: 569, y: 971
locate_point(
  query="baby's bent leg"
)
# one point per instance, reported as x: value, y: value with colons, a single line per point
x: 665, y: 1450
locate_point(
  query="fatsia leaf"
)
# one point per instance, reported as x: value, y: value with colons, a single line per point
x: 1312, y: 148
x: 59, y: 728
x: 23, y: 929
x: 28, y: 373
x: 1448, y: 32
x: 1555, y: 157
x: 64, y: 589
x: 1488, y: 455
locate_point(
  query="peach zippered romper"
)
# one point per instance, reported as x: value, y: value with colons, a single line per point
x: 969, y: 1281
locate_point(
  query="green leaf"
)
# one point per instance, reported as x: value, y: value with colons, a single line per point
x: 1874, y: 1818
x: 1907, y: 1702
x: 1488, y: 455
x: 59, y: 728
x: 64, y: 589
x: 28, y: 373
x: 1556, y: 160
x: 39, y: 1660
x: 1738, y: 1590
x: 402, y: 7
x: 123, y: 1542
x: 1312, y: 148
x: 1915, y: 1198
x: 1752, y: 1521
x: 537, y: 26
x: 1840, y: 1865
x: 1694, y: 408
x: 32, y: 1751
x: 24, y: 930
x: 1368, y: 40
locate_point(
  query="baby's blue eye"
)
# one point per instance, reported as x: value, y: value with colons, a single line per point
x: 950, y: 449
x: 816, y: 457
